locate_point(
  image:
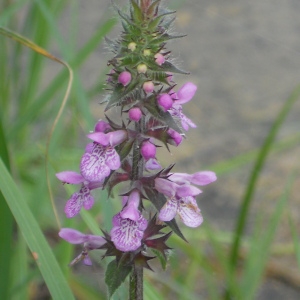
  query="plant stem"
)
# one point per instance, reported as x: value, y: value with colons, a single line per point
x: 136, y: 277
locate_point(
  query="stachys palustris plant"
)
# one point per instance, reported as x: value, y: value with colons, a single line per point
x: 124, y: 150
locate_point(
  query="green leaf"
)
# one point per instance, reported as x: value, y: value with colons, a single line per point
x: 119, y: 94
x: 156, y: 112
x: 136, y: 13
x: 260, y: 248
x: 34, y: 237
x: 261, y: 158
x: 115, y: 276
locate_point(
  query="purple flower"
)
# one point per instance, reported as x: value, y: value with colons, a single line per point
x: 184, y: 95
x: 100, y: 158
x: 90, y: 242
x: 83, y: 197
x: 129, y: 225
x: 181, y: 196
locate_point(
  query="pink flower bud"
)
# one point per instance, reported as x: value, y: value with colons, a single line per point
x: 165, y: 101
x: 102, y: 126
x: 148, y: 86
x: 159, y: 59
x: 175, y: 138
x: 148, y: 150
x: 135, y: 114
x: 124, y: 78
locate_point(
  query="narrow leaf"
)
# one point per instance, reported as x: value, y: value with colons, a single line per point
x: 34, y: 237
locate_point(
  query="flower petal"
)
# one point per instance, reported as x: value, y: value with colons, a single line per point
x: 165, y: 187
x: 92, y: 165
x: 94, y: 241
x: 168, y: 212
x: 99, y: 137
x: 189, y: 212
x: 186, y: 92
x: 112, y: 158
x: 72, y: 236
x: 73, y: 205
x: 187, y: 190
x: 203, y: 178
x: 127, y: 237
x: 70, y: 177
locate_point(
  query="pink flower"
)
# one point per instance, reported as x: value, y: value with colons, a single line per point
x: 83, y: 197
x: 90, y: 242
x: 181, y: 196
x: 184, y: 95
x: 129, y: 225
x: 100, y: 158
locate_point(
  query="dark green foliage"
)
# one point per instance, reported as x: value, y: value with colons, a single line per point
x: 115, y: 276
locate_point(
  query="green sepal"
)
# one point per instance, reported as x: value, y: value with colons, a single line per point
x: 163, y: 261
x: 113, y: 45
x: 167, y: 36
x: 115, y: 275
x: 168, y: 23
x: 119, y: 94
x: 153, y: 8
x: 136, y: 12
x: 154, y: 23
x: 156, y: 112
x: 168, y: 67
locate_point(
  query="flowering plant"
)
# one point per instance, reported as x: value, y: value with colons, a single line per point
x: 142, y: 88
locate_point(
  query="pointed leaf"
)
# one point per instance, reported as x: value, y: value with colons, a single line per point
x: 137, y: 12
x: 168, y: 67
x: 164, y: 117
x: 115, y: 275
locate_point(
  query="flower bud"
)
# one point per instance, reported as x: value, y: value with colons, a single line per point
x: 148, y: 86
x: 175, y: 138
x: 148, y: 150
x: 164, y: 101
x: 147, y: 52
x: 135, y: 114
x: 142, y: 68
x: 124, y: 78
x: 159, y: 59
x: 132, y: 46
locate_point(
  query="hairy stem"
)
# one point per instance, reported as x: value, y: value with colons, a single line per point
x: 136, y: 276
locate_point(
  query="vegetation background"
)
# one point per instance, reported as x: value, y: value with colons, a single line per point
x: 245, y: 58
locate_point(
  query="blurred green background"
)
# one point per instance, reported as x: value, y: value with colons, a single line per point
x: 245, y: 58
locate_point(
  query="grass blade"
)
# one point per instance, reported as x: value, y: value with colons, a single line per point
x: 264, y: 151
x: 34, y: 237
